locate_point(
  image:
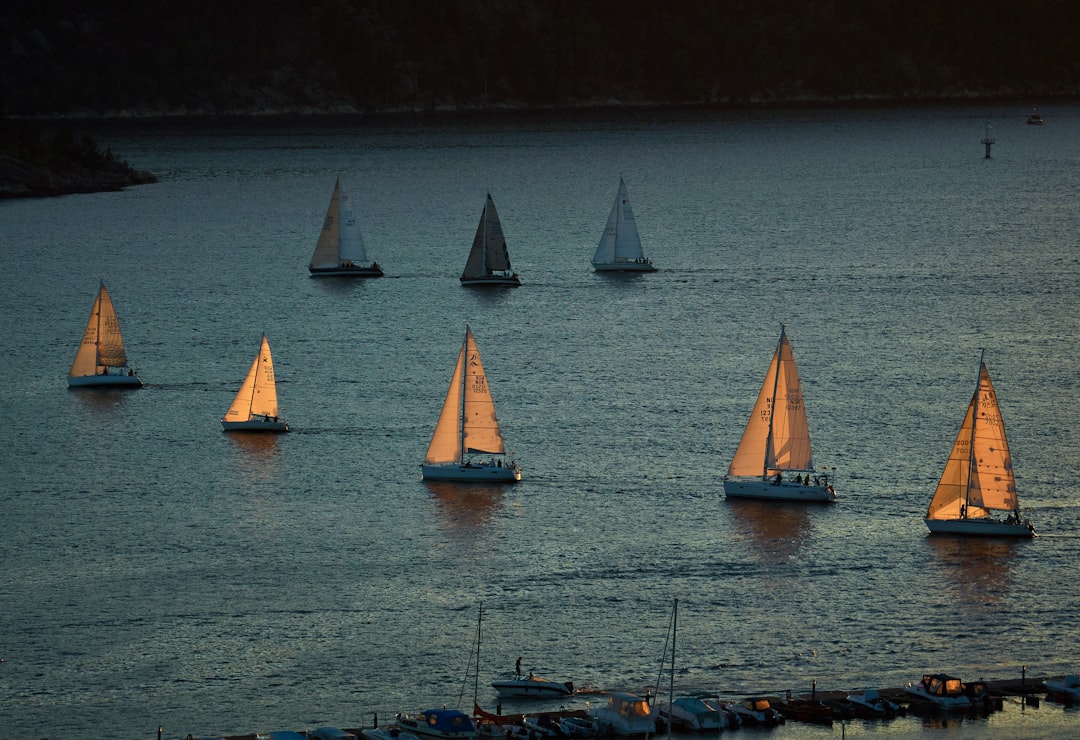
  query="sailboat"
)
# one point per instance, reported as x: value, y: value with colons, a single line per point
x: 776, y: 441
x: 467, y: 428
x: 101, y: 360
x: 620, y: 246
x: 978, y: 477
x: 255, y: 408
x: 340, y: 250
x: 489, y: 262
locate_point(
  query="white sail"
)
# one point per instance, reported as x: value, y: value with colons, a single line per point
x: 777, y: 436
x: 340, y: 249
x: 256, y: 401
x: 620, y: 241
x: 326, y: 249
x: 978, y: 476
x: 467, y: 424
x: 351, y: 242
x: 488, y: 254
x: 101, y: 359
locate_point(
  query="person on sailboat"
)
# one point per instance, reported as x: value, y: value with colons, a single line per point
x: 517, y: 667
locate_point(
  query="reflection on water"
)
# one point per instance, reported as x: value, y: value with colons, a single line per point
x: 101, y: 400
x: 978, y: 568
x: 466, y: 507
x: 776, y: 530
x: 257, y: 454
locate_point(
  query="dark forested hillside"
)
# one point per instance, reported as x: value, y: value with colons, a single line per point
x: 240, y: 56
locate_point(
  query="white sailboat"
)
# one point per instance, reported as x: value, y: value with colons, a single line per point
x: 978, y: 477
x: 340, y: 250
x: 101, y: 360
x: 467, y: 444
x: 255, y: 408
x: 620, y: 246
x: 489, y: 261
x: 774, y: 459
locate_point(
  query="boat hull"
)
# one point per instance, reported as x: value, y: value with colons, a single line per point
x: 256, y: 425
x: 760, y: 489
x: 492, y: 281
x: 645, y: 266
x: 526, y: 689
x: 360, y: 272
x: 980, y: 527
x: 472, y: 472
x: 111, y: 381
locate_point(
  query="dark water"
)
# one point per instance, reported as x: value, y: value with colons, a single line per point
x: 159, y: 572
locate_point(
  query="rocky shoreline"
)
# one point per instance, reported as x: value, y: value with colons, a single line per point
x: 22, y: 179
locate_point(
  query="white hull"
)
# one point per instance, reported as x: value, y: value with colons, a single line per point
x: 942, y: 702
x: 484, y: 472
x: 1068, y: 687
x: 980, y: 527
x: 785, y: 491
x: 256, y: 425
x: 526, y: 689
x: 645, y: 266
x: 115, y: 381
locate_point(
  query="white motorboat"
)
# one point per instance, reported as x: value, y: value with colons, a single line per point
x: 532, y: 687
x: 695, y: 713
x: 578, y: 727
x: 626, y: 715
x: 388, y: 733
x: 438, y: 724
x: 330, y: 733
x: 872, y: 703
x: 1067, y: 687
x: 757, y: 710
x: 945, y: 692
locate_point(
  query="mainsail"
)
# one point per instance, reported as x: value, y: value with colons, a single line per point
x: 340, y: 241
x: 978, y: 476
x: 620, y: 241
x: 488, y: 253
x: 777, y: 436
x: 102, y: 345
x: 467, y: 423
x: 258, y: 394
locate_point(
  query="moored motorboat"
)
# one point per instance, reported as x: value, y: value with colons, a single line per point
x: 330, y: 733
x: 694, y: 713
x: 438, y: 724
x: 388, y: 733
x: 757, y: 710
x: 578, y: 727
x: 871, y: 703
x: 625, y: 714
x: 532, y: 687
x: 1067, y: 687
x: 941, y: 690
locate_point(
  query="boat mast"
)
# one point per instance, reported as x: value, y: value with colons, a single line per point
x: 464, y: 385
x: 772, y: 409
x: 484, y: 244
x: 971, y: 443
x: 476, y: 678
x: 671, y: 687
x: 97, y: 332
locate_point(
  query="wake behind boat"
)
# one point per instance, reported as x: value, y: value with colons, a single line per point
x: 978, y: 477
x: 620, y: 245
x: 467, y: 444
x: 340, y: 250
x: 531, y: 687
x: 255, y: 408
x: 489, y: 261
x: 776, y: 441
x: 101, y: 360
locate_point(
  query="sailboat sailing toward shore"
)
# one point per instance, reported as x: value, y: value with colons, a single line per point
x: 620, y: 245
x: 340, y: 250
x: 101, y: 360
x: 978, y: 477
x: 776, y: 441
x: 255, y: 408
x: 489, y: 260
x: 467, y: 428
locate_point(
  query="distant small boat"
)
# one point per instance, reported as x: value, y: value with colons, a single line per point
x: 489, y: 261
x: 340, y: 250
x: 255, y: 408
x: 978, y: 477
x: 1035, y: 119
x: 941, y: 690
x: 101, y: 360
x: 776, y: 441
x: 467, y: 444
x: 1068, y: 687
x: 620, y: 245
x: 438, y: 724
x: 532, y: 687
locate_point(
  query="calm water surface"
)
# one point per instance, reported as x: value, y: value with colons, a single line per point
x: 157, y: 572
